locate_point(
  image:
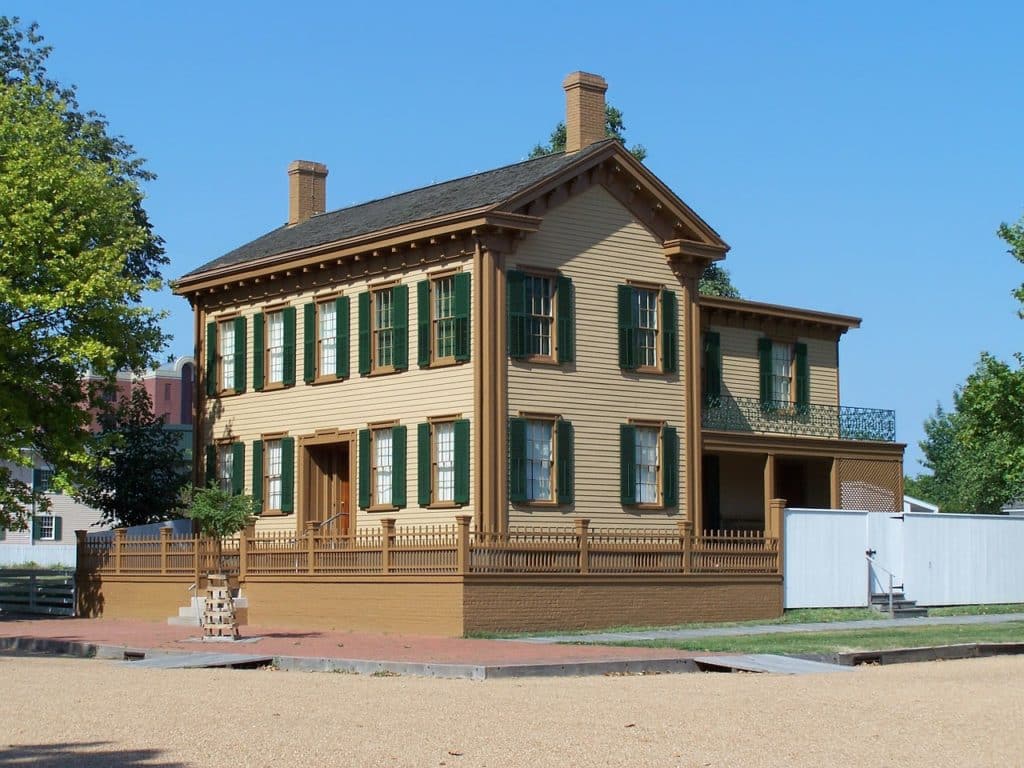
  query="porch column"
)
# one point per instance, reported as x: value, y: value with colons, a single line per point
x: 769, y: 489
x: 689, y: 369
x: 835, y: 490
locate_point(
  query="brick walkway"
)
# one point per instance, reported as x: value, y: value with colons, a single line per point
x: 144, y: 635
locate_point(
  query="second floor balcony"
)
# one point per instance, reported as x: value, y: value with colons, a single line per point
x: 750, y: 414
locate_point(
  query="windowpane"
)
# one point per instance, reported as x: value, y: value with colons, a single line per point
x: 444, y: 317
x: 382, y: 465
x: 44, y: 480
x: 782, y: 357
x: 225, y: 465
x: 272, y: 459
x: 275, y: 347
x: 46, y: 527
x: 327, y: 329
x: 538, y: 460
x: 538, y: 315
x: 647, y: 465
x: 444, y: 457
x: 227, y: 354
x: 647, y: 327
x: 383, y: 328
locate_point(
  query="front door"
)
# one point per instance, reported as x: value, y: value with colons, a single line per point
x: 327, y: 487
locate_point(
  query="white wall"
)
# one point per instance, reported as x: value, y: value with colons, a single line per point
x: 51, y: 554
x: 824, y: 558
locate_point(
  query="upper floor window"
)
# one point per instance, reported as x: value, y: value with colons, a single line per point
x: 167, y: 391
x: 384, y: 329
x: 275, y: 347
x: 785, y: 373
x: 274, y: 342
x: 649, y: 462
x: 442, y: 317
x: 541, y: 326
x: 225, y: 356
x: 541, y: 460
x: 325, y: 335
x: 227, y: 353
x: 42, y: 480
x: 648, y: 329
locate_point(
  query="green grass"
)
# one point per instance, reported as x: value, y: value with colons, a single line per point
x: 846, y: 640
x: 976, y: 610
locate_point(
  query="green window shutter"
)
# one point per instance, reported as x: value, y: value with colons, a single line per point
x: 424, y: 465
x: 287, y: 474
x: 669, y: 332
x: 627, y: 328
x: 37, y: 480
x: 399, y: 460
x: 627, y: 464
x: 211, y: 359
x: 37, y: 528
x: 211, y: 464
x: 670, y: 466
x: 58, y: 528
x: 309, y: 342
x: 364, y: 468
x: 400, y: 294
x: 423, y: 323
x: 240, y: 346
x: 517, y: 460
x: 3, y: 534
x: 364, y: 334
x: 803, y: 377
x: 564, y: 320
x: 257, y: 476
x: 341, y: 321
x: 566, y: 462
x: 237, y: 469
x: 516, y: 315
x: 259, y: 351
x: 712, y: 366
x: 462, y: 321
x: 764, y: 354
x: 289, y: 346
x: 462, y: 461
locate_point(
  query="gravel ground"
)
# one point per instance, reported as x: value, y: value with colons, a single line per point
x: 59, y: 713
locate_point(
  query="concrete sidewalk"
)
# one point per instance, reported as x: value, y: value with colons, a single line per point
x: 769, y: 629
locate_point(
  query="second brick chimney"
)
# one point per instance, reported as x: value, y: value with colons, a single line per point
x: 584, y: 110
x: 307, y: 190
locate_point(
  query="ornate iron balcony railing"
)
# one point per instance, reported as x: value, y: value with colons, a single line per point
x: 749, y: 414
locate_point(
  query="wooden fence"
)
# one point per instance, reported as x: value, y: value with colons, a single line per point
x: 438, y: 550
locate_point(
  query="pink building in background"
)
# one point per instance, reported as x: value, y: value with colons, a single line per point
x: 170, y: 387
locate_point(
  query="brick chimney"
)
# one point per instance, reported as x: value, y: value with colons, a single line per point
x: 307, y: 190
x: 584, y: 110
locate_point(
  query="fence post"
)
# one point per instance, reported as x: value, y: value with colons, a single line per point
x: 583, y: 542
x: 311, y: 528
x: 81, y: 550
x: 387, y: 525
x: 165, y: 536
x: 686, y: 539
x: 244, y: 537
x: 119, y: 534
x: 777, y: 521
x: 462, y: 564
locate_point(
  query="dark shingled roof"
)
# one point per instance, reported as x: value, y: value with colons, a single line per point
x: 466, y: 193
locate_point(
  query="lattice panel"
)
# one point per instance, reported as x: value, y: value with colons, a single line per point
x: 874, y: 486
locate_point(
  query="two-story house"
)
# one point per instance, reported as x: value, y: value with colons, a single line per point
x: 525, y: 345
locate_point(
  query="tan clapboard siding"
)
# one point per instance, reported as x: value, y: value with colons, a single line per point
x: 410, y: 397
x: 741, y: 375
x: 592, y: 239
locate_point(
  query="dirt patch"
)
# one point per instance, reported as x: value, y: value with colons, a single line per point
x: 93, y: 713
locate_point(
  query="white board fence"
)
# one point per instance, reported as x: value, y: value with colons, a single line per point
x: 42, y: 554
x: 939, y: 559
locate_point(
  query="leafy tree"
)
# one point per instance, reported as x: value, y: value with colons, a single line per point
x: 715, y: 280
x: 218, y: 514
x: 138, y: 469
x: 1013, y: 235
x: 76, y: 254
x: 614, y: 128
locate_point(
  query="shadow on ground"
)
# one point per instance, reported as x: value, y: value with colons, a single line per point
x: 91, y: 754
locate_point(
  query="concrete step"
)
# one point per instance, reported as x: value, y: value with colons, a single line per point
x: 189, y: 615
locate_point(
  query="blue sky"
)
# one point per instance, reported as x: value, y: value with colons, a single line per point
x: 857, y: 157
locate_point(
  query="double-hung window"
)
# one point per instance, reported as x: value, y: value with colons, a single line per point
x: 443, y: 461
x: 225, y: 467
x: 275, y: 347
x: 46, y: 527
x: 382, y: 467
x: 273, y: 475
x: 227, y: 354
x: 272, y: 464
x: 648, y: 329
x: 442, y: 319
x: 384, y: 329
x: 540, y: 317
x: 649, y: 461
x: 274, y: 339
x: 782, y: 379
x: 325, y: 339
x: 541, y: 460
x: 785, y: 374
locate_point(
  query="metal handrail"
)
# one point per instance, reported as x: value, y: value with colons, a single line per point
x: 871, y: 560
x: 751, y: 414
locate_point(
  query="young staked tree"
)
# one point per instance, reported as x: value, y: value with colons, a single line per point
x: 77, y: 252
x: 137, y: 468
x: 218, y: 514
x: 715, y: 281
